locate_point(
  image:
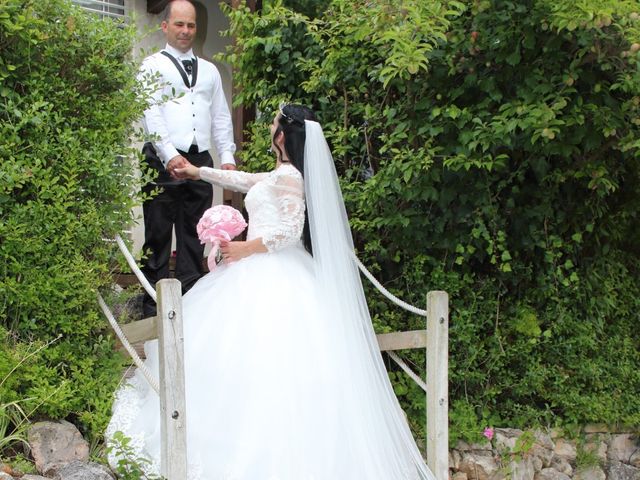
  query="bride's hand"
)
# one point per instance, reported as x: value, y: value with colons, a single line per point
x: 187, y: 171
x: 234, y: 251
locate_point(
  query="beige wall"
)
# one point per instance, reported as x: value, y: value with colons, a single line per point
x: 208, y: 43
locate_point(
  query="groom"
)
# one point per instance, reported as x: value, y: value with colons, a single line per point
x: 188, y: 115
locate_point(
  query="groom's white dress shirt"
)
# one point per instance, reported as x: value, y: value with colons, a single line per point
x: 180, y: 116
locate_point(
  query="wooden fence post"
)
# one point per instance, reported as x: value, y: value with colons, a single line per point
x: 438, y: 383
x: 173, y: 420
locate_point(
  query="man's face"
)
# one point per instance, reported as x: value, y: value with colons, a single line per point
x: 180, y: 28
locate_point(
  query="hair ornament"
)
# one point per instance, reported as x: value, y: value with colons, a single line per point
x: 288, y: 118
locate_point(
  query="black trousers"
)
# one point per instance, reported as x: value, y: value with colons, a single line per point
x: 179, y: 204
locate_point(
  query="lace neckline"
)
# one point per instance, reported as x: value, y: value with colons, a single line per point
x: 285, y: 166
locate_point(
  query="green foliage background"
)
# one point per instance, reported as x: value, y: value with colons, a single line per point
x: 489, y: 149
x: 68, y: 99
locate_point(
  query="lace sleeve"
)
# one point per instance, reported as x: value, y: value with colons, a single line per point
x: 231, y: 179
x: 288, y: 191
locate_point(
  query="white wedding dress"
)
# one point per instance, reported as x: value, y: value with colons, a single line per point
x: 273, y: 390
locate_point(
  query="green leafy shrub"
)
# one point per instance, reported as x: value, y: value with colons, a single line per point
x: 68, y: 98
x: 129, y: 465
x: 490, y: 149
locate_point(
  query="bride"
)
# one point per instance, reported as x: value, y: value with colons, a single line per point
x: 284, y: 379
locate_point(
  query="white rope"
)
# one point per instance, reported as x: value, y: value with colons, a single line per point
x: 386, y: 292
x: 134, y: 355
x: 421, y: 383
x: 147, y: 286
x: 414, y: 376
x: 135, y: 269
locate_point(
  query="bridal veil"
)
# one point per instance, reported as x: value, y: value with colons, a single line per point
x: 337, y: 273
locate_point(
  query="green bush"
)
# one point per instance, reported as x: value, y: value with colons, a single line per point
x: 68, y: 98
x: 490, y: 149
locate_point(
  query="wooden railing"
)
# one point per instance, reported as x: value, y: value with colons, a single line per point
x: 173, y: 408
x: 436, y: 341
x: 167, y: 328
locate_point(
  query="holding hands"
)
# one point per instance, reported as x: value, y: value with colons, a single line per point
x: 231, y: 251
x: 181, y: 169
x: 175, y: 163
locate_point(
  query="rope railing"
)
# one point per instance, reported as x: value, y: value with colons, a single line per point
x: 114, y: 324
x: 135, y: 269
x: 130, y: 350
x: 436, y: 386
x: 172, y: 403
x: 149, y: 289
x: 401, y: 303
x: 414, y: 376
x: 387, y: 293
x: 167, y: 327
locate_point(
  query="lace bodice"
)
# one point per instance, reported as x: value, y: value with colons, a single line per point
x: 274, y: 201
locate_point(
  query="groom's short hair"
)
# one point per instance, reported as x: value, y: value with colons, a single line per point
x: 166, y: 11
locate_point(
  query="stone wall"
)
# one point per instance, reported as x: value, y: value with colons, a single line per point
x: 596, y: 453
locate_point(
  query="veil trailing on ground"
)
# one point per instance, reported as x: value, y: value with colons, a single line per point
x: 355, y: 342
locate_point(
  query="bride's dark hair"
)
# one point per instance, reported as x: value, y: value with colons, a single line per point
x: 291, y: 123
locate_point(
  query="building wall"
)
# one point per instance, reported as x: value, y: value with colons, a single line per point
x: 211, y: 21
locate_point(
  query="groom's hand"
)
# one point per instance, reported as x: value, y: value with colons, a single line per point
x: 176, y: 162
x: 187, y: 171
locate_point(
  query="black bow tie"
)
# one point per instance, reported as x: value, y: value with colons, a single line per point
x: 188, y: 66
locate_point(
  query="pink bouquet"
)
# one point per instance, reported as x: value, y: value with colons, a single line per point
x: 220, y: 222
